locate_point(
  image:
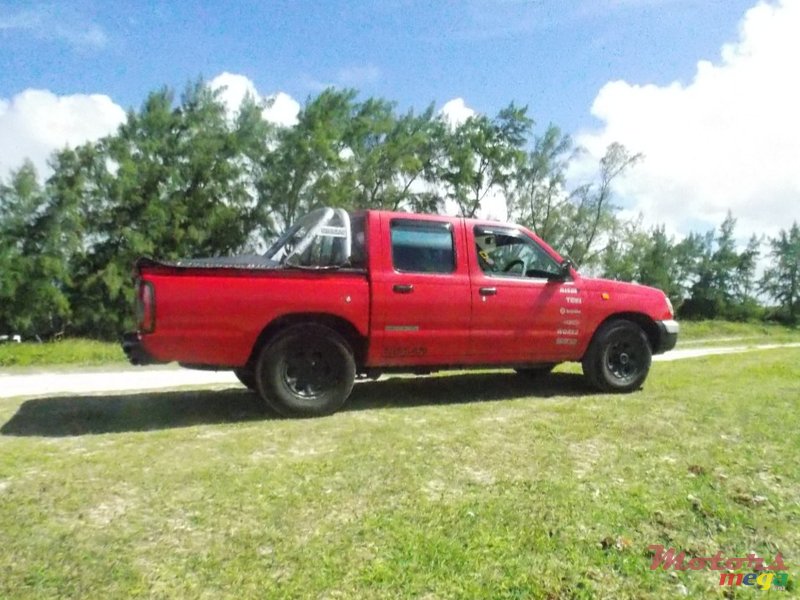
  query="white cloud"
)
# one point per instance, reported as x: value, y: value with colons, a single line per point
x: 280, y: 108
x: 34, y: 123
x: 56, y: 22
x: 729, y: 139
x: 233, y: 88
x: 456, y: 111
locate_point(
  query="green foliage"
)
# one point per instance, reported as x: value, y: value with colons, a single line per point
x: 650, y: 257
x: 593, y: 215
x: 299, y: 170
x: 480, y: 155
x: 721, y: 278
x: 782, y: 279
x: 32, y: 265
x: 187, y: 178
x: 538, y: 198
x: 172, y: 182
x: 580, y: 223
x: 350, y: 154
x: 390, y: 156
x: 705, y: 275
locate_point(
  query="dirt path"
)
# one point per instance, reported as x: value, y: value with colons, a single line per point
x: 142, y: 379
x: 76, y: 382
x: 697, y: 352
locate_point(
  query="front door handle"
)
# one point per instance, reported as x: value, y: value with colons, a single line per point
x: 488, y: 291
x: 403, y: 288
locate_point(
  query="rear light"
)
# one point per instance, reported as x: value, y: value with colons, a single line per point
x: 145, y: 307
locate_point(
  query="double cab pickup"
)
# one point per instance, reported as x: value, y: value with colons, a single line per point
x: 342, y: 295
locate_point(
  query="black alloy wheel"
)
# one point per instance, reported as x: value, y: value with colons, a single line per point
x: 619, y: 357
x: 308, y: 370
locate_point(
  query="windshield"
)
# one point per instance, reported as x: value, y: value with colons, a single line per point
x: 322, y: 238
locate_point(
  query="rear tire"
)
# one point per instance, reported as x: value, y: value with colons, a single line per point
x: 307, y: 371
x: 618, y: 359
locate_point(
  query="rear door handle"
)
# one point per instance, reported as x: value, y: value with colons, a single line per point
x: 488, y: 291
x: 403, y: 288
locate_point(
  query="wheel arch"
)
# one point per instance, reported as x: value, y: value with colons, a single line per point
x: 340, y: 325
x: 647, y: 324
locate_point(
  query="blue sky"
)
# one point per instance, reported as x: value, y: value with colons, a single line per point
x: 553, y: 56
x: 706, y: 90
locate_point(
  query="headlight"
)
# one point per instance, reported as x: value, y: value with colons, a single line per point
x: 669, y: 306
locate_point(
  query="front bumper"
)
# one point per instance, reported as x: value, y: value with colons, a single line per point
x: 134, y: 350
x: 667, y: 335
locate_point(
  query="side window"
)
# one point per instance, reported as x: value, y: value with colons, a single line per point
x: 507, y: 252
x: 422, y: 246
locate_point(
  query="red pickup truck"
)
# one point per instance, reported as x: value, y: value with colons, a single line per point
x: 344, y: 295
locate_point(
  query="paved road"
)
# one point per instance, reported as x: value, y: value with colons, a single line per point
x: 47, y: 383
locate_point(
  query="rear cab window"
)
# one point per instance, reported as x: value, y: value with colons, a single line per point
x: 422, y: 246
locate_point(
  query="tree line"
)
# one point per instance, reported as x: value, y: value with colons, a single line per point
x: 185, y: 177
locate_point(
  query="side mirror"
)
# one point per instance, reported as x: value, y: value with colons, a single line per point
x: 565, y: 267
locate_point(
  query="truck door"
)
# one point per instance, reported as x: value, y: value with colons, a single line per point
x: 521, y: 314
x: 421, y: 292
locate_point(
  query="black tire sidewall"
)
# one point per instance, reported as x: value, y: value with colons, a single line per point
x: 269, y: 372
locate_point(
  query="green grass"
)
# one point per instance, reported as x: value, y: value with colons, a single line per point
x: 78, y: 352
x: 712, y: 331
x: 480, y: 485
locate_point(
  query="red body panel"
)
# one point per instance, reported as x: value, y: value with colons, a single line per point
x: 526, y: 320
x: 430, y: 325
x: 214, y: 316
x: 603, y: 298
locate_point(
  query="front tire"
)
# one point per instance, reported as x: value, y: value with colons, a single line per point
x: 618, y: 359
x: 307, y: 371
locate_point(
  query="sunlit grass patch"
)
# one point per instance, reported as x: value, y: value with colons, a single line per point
x: 463, y: 485
x: 715, y: 331
x: 72, y: 351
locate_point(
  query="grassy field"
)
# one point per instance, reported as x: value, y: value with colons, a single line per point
x: 463, y: 485
x: 727, y: 332
x: 80, y: 352
x: 77, y: 352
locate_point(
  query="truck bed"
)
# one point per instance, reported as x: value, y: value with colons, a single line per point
x: 231, y: 302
